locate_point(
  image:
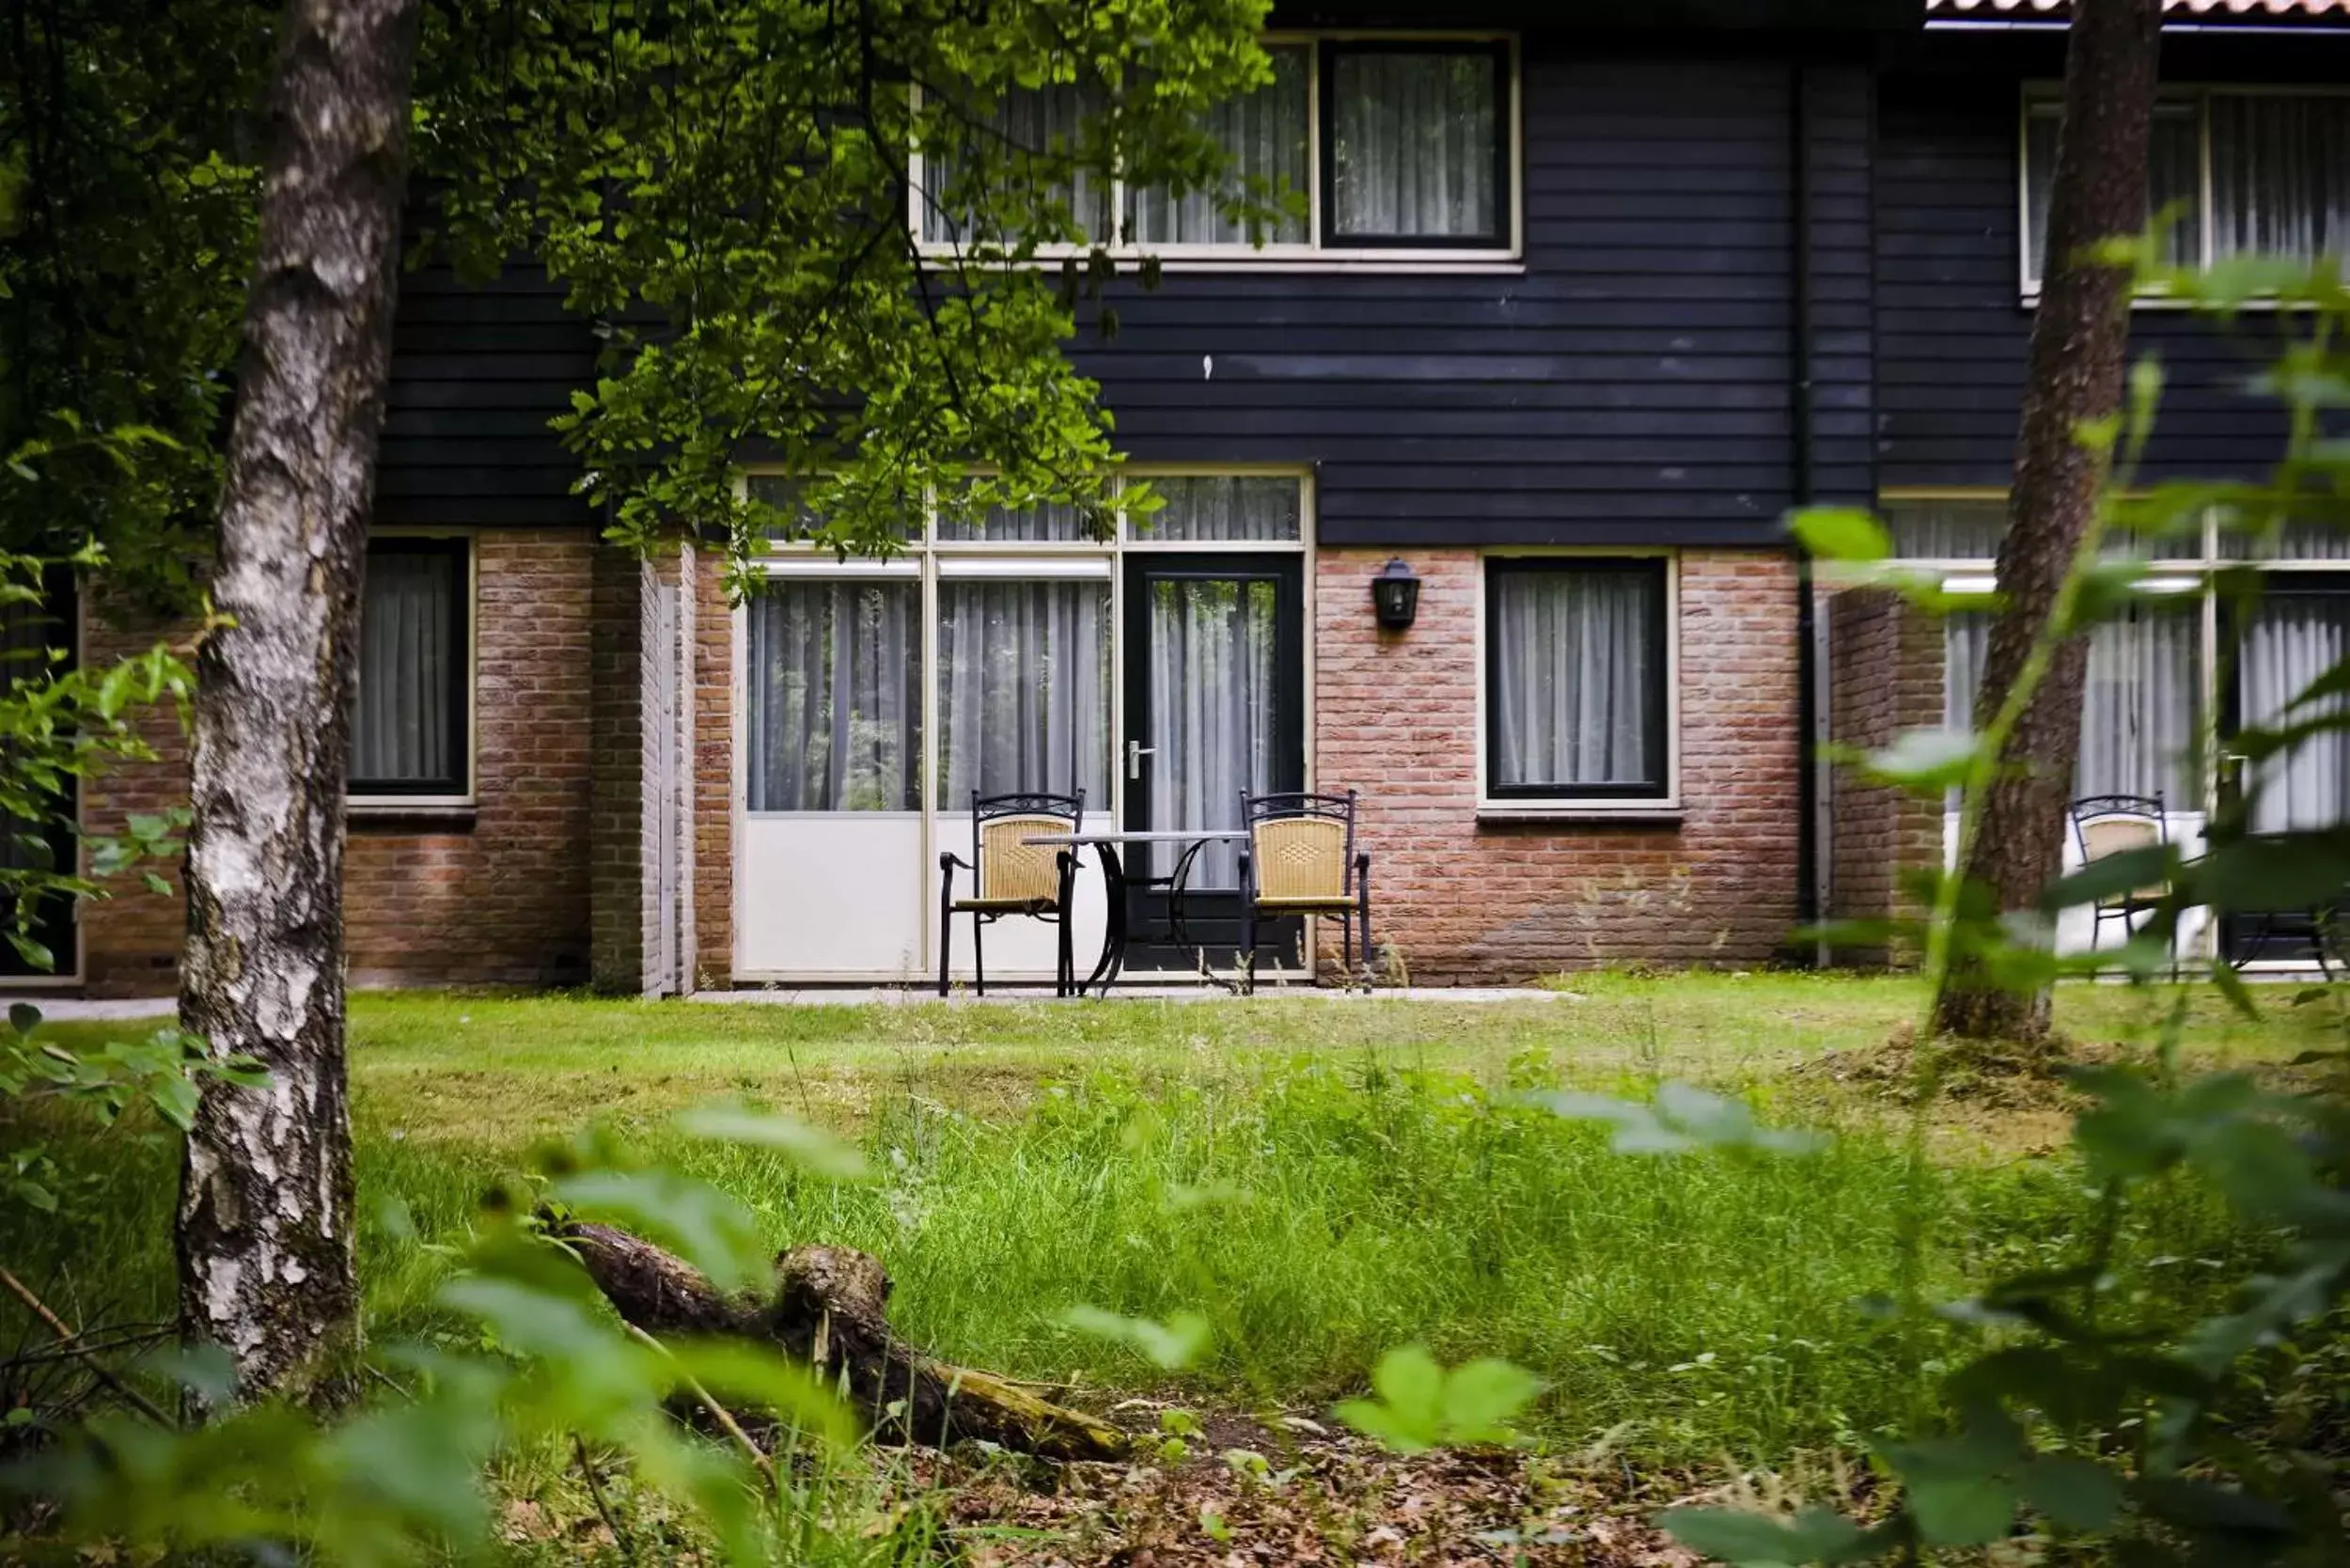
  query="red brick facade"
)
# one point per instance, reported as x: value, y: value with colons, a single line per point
x: 555, y: 877
x: 499, y: 900
x: 1885, y: 676
x: 1462, y: 897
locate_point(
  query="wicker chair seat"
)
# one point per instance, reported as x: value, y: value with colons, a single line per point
x: 1307, y: 904
x: 1007, y: 906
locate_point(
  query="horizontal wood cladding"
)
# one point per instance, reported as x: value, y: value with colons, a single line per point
x: 1632, y: 384
x: 478, y: 370
x: 1951, y: 329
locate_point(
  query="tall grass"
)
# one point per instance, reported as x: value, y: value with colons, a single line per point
x: 1318, y: 1210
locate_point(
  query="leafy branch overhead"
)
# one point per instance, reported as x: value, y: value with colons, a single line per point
x: 739, y: 195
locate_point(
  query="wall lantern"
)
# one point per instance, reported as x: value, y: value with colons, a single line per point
x: 1394, y: 596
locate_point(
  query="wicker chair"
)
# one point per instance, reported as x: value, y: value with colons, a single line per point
x: 1300, y: 859
x: 2108, y: 825
x: 1010, y: 877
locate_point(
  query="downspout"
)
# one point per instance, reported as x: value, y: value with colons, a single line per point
x: 1799, y: 387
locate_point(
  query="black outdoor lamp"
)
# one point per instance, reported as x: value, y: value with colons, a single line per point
x: 1394, y: 596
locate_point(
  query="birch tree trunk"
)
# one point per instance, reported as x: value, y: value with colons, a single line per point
x: 2079, y: 345
x: 264, y: 1236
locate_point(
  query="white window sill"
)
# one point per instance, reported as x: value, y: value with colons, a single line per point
x: 424, y: 811
x: 1240, y: 259
x: 2029, y: 300
x: 1654, y: 812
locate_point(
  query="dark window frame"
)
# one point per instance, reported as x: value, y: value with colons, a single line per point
x: 1656, y: 720
x: 459, y: 551
x: 1500, y: 51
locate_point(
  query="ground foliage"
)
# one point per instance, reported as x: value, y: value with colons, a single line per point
x: 2078, y: 1419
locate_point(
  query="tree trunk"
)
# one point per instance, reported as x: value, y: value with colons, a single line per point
x: 828, y: 1310
x: 264, y: 1236
x: 2079, y: 344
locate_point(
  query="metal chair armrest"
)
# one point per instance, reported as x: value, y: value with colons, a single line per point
x: 949, y: 859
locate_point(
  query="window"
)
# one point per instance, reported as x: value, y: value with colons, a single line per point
x: 1024, y: 688
x: 1414, y: 144
x: 1576, y: 674
x: 835, y: 690
x: 411, y: 726
x: 2244, y: 172
x: 1412, y: 138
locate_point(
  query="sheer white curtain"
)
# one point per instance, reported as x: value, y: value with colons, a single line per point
x: 834, y: 683
x: 2279, y: 174
x: 1202, y: 509
x: 402, y: 730
x: 2174, y: 177
x: 2291, y: 640
x: 2137, y: 709
x: 1576, y: 677
x: 1032, y: 133
x: 1214, y: 712
x: 1414, y: 144
x: 2137, y: 704
x: 1265, y: 134
x: 1024, y: 689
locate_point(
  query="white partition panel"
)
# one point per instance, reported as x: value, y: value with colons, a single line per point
x: 830, y: 896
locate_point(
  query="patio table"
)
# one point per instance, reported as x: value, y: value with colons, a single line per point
x: 1115, y: 882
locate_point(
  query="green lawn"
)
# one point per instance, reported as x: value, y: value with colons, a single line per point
x: 1324, y: 1177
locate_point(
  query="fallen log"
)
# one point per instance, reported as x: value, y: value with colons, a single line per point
x: 828, y: 1309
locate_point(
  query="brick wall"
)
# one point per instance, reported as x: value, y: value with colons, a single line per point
x: 502, y: 901
x: 130, y: 940
x: 622, y: 599
x: 1469, y: 901
x: 1885, y: 664
x: 710, y: 870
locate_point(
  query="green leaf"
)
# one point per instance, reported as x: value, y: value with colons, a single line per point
x: 2076, y: 1493
x: 176, y: 1098
x: 1172, y: 1345
x: 1961, y: 1510
x: 710, y: 1229
x: 1841, y: 534
x: 1737, y: 1535
x: 811, y: 1147
x: 24, y: 1017
x: 2150, y: 866
x: 1421, y: 1407
x: 1925, y: 759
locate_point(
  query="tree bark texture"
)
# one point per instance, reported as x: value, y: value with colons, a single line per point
x: 2079, y: 347
x: 264, y: 1233
x: 828, y: 1309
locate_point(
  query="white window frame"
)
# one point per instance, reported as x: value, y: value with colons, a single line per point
x: 464, y: 803
x: 1312, y: 255
x: 1568, y: 807
x: 2199, y: 95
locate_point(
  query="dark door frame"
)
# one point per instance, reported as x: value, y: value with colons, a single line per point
x: 1213, y: 916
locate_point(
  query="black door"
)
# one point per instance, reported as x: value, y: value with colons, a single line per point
x: 2298, y: 629
x: 1215, y: 666
x: 32, y: 637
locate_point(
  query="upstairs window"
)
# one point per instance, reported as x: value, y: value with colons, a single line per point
x: 1394, y: 148
x: 410, y: 726
x: 1416, y: 153
x: 2243, y: 172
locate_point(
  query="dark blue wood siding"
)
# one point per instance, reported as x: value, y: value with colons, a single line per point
x: 1633, y: 384
x: 1951, y: 329
x: 476, y: 373
x: 1838, y: 296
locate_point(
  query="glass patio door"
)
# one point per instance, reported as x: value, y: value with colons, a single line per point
x: 1215, y: 684
x: 2299, y: 628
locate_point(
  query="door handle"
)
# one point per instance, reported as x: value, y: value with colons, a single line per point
x: 1136, y: 752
